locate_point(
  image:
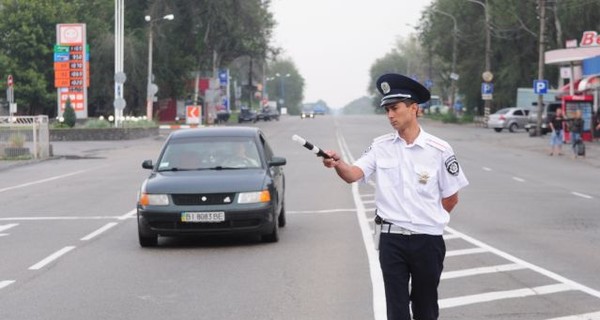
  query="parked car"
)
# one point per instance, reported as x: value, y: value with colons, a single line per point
x: 247, y: 115
x: 549, y: 110
x: 213, y: 181
x: 267, y: 114
x: 508, y: 118
x: 307, y: 112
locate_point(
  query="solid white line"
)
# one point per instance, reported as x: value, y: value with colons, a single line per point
x: 498, y: 295
x: 581, y: 195
x: 99, y: 231
x: 482, y: 270
x: 518, y: 179
x: 531, y: 266
x: 51, y: 258
x: 42, y: 181
x: 586, y: 316
x: 321, y: 211
x: 379, y: 308
x: 6, y: 283
x: 463, y: 252
x: 8, y: 226
x: 59, y: 218
x: 128, y: 215
x: 450, y: 236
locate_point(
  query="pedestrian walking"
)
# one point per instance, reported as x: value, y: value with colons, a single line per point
x: 556, y: 124
x: 417, y: 182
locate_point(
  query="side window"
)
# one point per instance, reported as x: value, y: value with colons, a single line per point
x: 518, y: 113
x: 267, y: 148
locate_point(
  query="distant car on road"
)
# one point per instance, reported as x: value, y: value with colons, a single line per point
x: 247, y: 115
x: 267, y: 114
x: 213, y: 181
x: 549, y: 110
x: 307, y: 112
x: 508, y: 118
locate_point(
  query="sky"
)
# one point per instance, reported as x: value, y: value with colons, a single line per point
x: 333, y: 43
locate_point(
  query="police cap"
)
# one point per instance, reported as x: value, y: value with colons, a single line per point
x: 396, y: 87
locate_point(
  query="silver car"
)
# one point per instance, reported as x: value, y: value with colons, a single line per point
x: 508, y: 118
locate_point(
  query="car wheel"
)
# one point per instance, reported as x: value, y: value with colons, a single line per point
x: 513, y: 127
x: 274, y: 235
x: 281, y: 220
x: 498, y: 129
x: 146, y: 238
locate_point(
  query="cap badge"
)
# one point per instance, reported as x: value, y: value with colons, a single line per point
x: 423, y: 177
x: 385, y: 87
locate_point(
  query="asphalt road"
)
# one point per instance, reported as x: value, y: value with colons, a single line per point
x: 522, y: 243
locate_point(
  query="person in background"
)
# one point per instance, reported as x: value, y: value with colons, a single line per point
x: 576, y: 129
x: 417, y: 183
x: 556, y: 123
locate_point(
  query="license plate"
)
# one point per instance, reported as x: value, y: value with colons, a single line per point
x: 217, y: 216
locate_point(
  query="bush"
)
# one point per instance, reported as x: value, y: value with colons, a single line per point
x: 69, y: 115
x: 97, y: 123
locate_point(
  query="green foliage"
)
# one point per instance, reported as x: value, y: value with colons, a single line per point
x: 69, y: 115
x: 97, y: 124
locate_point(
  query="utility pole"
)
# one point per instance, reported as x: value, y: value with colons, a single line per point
x: 541, y: 62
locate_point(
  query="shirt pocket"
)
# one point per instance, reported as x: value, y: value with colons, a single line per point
x: 388, y: 172
x: 426, y: 182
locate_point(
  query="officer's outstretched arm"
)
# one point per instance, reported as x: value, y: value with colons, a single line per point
x: 347, y: 172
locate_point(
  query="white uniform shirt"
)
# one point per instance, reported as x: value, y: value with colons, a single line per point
x: 412, y: 180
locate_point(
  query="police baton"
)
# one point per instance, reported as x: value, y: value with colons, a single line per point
x: 310, y: 146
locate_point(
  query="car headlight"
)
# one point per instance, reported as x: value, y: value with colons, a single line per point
x: 154, y: 199
x: 254, y: 197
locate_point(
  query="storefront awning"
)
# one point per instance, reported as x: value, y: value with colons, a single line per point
x: 589, y: 82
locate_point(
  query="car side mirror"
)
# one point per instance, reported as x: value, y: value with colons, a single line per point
x: 147, y: 164
x: 277, y: 161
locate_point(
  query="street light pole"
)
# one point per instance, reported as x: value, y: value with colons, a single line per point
x: 453, y: 75
x: 488, y: 50
x: 151, y: 89
x: 281, y: 88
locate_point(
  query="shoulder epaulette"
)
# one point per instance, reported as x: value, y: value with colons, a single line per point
x: 437, y: 143
x: 385, y: 137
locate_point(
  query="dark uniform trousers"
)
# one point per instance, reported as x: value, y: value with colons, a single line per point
x: 420, y: 259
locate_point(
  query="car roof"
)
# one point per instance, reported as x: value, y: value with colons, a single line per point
x: 215, y: 132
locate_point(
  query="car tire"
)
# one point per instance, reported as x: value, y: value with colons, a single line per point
x: 145, y: 240
x: 513, y: 127
x: 274, y: 235
x: 282, y: 220
x: 498, y: 129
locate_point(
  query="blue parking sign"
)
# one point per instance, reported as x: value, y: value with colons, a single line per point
x: 487, y: 88
x: 540, y: 86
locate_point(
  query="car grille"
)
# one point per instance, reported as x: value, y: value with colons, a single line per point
x: 203, y: 199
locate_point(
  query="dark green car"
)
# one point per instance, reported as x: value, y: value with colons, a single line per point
x: 213, y: 181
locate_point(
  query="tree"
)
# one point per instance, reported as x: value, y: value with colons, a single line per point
x: 69, y: 114
x: 280, y: 86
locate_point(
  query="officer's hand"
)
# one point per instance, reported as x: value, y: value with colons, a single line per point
x: 333, y: 161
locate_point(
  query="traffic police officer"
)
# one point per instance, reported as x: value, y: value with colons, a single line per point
x: 417, y: 182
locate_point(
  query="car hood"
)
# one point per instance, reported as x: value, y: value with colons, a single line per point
x: 206, y: 181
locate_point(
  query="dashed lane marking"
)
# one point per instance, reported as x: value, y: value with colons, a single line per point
x: 482, y: 270
x: 99, y: 231
x: 51, y: 258
x: 518, y: 179
x: 41, y: 181
x: 6, y: 283
x: 582, y: 195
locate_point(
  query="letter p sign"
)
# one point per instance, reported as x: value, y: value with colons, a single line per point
x: 540, y: 86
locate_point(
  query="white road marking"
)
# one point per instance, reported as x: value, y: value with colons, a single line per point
x: 8, y: 226
x: 498, y: 295
x: 518, y: 179
x: 42, y: 181
x: 450, y: 236
x: 6, y: 283
x: 51, y: 258
x: 482, y: 270
x: 463, y: 252
x: 367, y: 195
x: 368, y: 202
x: 99, y: 231
x: 62, y: 218
x: 581, y: 195
x: 586, y: 316
x: 379, y: 308
x: 129, y: 215
x: 528, y: 265
x: 486, y: 169
x: 320, y: 211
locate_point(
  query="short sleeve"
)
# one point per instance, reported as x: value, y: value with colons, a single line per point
x: 366, y: 163
x: 452, y: 177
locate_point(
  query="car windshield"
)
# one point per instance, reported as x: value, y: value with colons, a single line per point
x: 210, y: 153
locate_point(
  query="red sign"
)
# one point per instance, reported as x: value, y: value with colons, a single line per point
x: 9, y: 81
x: 589, y: 39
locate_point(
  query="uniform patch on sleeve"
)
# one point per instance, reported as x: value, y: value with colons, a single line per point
x: 452, y: 165
x: 368, y: 149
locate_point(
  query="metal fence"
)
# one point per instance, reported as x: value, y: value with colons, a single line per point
x: 24, y: 137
